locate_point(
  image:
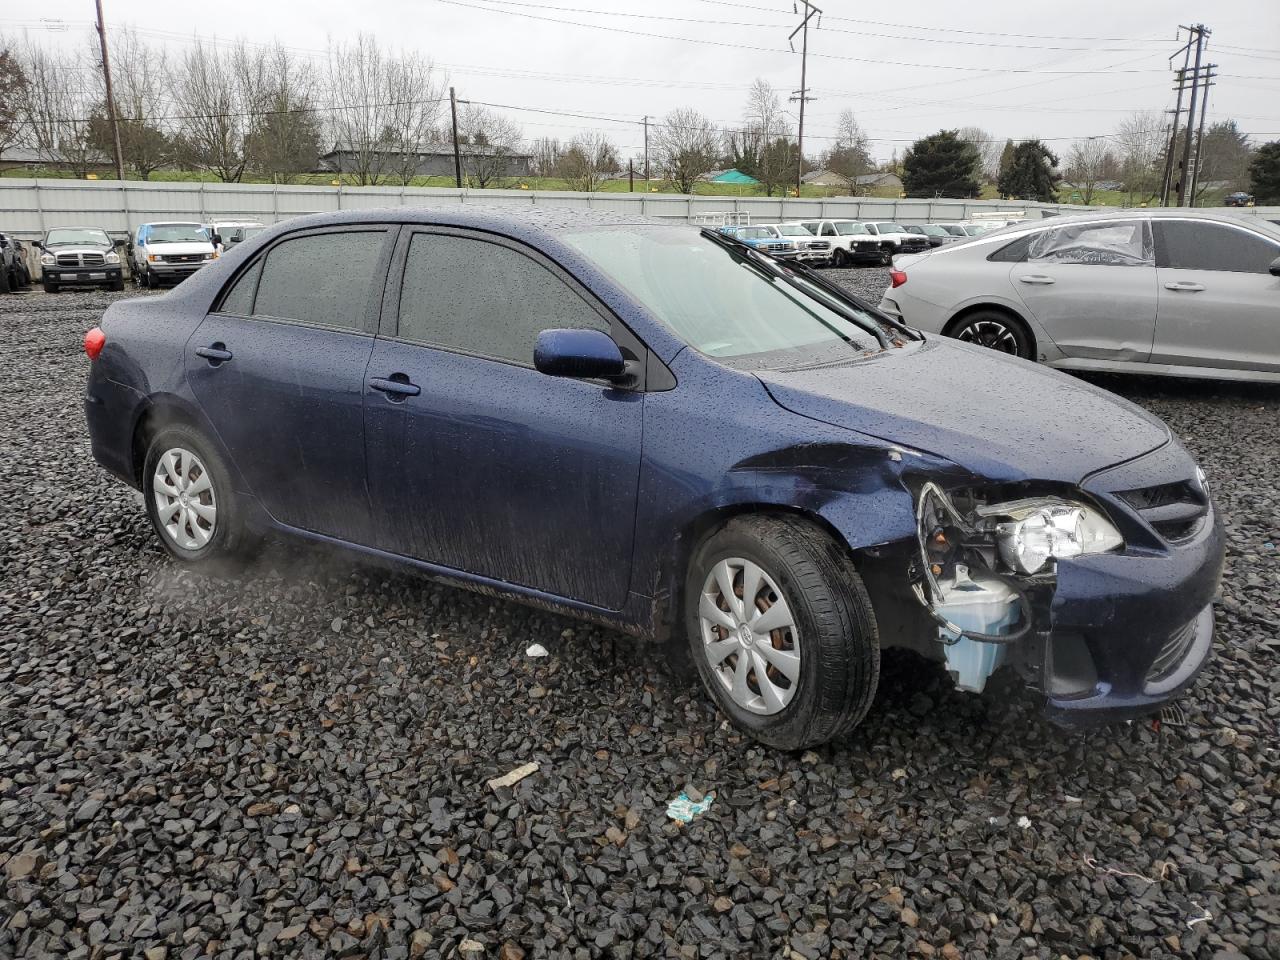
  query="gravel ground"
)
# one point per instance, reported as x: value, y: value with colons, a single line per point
x: 295, y: 762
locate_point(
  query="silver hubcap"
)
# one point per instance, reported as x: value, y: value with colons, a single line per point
x: 990, y: 333
x: 185, y: 504
x: 749, y: 636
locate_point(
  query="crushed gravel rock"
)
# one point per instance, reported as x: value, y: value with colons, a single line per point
x: 294, y: 762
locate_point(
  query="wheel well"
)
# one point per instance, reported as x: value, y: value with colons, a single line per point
x: 669, y: 593
x: 1013, y: 315
x: 153, y: 419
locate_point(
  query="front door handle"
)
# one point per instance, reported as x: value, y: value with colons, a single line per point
x: 1039, y: 278
x: 215, y: 353
x: 1185, y: 285
x: 396, y: 387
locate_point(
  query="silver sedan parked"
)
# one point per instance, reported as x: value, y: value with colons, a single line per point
x: 1189, y: 293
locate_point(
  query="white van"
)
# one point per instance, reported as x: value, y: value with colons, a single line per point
x: 168, y: 252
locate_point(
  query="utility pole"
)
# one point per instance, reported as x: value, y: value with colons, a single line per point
x: 646, y: 151
x: 1204, y: 108
x: 631, y: 175
x: 111, y: 100
x: 810, y: 11
x: 457, y: 154
x: 1200, y: 33
x: 1166, y: 183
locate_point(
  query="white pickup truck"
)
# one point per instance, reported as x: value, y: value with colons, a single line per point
x: 893, y: 233
x: 851, y: 242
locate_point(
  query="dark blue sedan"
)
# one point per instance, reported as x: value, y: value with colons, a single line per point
x: 663, y: 430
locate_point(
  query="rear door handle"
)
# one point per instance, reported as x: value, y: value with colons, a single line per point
x: 396, y: 387
x: 1185, y: 285
x: 1036, y: 278
x: 215, y: 353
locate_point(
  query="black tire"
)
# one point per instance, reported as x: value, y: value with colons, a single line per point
x: 886, y: 258
x: 117, y: 285
x: 4, y: 279
x: 840, y: 258
x: 230, y: 542
x: 997, y: 330
x: 48, y: 285
x: 837, y: 641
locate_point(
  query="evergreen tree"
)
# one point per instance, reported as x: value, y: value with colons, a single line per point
x: 1030, y: 175
x: 1006, y: 159
x: 941, y: 165
x: 1264, y: 172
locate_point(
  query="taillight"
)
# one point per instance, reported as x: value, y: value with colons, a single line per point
x: 897, y: 277
x: 94, y: 341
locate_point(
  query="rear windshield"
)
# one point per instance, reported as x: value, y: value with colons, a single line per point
x: 718, y: 303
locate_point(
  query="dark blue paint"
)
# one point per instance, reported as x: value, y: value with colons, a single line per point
x: 585, y: 496
x: 588, y: 354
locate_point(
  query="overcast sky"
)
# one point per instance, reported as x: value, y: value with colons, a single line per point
x: 1015, y: 68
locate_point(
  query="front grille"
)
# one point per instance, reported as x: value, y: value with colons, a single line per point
x: 818, y: 245
x: 182, y: 257
x: 81, y: 259
x: 1174, y: 510
x: 1172, y: 653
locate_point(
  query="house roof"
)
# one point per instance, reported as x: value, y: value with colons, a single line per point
x: 430, y: 150
x: 30, y: 155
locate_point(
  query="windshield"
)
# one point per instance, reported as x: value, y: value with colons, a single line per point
x: 177, y: 233
x: 847, y: 228
x: 793, y: 230
x: 755, y: 233
x: 63, y: 238
x: 933, y: 230
x: 716, y: 302
x: 890, y: 228
x: 954, y: 229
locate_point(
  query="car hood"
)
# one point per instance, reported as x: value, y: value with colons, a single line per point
x: 78, y: 248
x: 181, y: 248
x: 997, y: 416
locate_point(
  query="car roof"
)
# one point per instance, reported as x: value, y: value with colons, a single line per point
x: 1155, y: 213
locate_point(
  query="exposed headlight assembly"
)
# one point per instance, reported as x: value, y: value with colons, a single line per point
x: 48, y: 259
x: 1034, y: 531
x: 113, y: 257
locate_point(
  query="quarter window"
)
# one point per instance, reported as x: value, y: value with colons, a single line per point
x: 1198, y: 245
x: 239, y: 300
x: 323, y: 279
x: 483, y: 298
x: 1115, y: 243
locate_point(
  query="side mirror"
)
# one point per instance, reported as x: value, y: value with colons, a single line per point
x: 38, y: 244
x: 583, y: 354
x: 1275, y: 267
x: 118, y: 242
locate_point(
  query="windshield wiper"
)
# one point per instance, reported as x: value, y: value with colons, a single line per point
x: 772, y: 268
x: 811, y: 275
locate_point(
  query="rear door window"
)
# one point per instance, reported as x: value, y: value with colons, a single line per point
x: 323, y: 279
x: 1113, y: 243
x: 239, y: 299
x: 1201, y: 245
x: 485, y: 299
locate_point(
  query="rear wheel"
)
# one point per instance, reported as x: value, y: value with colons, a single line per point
x: 190, y: 500
x: 781, y: 630
x: 995, y: 330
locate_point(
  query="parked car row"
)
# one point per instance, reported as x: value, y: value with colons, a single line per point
x: 156, y: 253
x: 847, y: 243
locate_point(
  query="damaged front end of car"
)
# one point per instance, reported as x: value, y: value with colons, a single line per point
x: 1073, y: 589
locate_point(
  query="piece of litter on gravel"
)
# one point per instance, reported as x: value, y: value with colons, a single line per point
x: 1207, y: 916
x: 1024, y: 823
x: 684, y: 809
x: 514, y: 777
x: 1070, y: 799
x: 536, y: 650
x: 1093, y: 865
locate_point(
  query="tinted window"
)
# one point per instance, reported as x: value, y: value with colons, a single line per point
x: 322, y: 279
x: 485, y: 299
x: 1188, y: 245
x: 239, y: 300
x: 1114, y: 243
x: 1011, y: 252
x: 828, y: 230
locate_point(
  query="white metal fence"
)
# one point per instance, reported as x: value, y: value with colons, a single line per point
x: 29, y: 207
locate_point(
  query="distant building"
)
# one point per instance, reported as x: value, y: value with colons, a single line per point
x: 429, y: 160
x: 95, y: 162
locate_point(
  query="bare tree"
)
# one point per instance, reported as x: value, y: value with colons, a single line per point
x: 141, y: 74
x: 56, y: 106
x: 284, y: 140
x: 765, y: 126
x: 219, y: 93
x: 686, y: 144
x: 13, y: 80
x: 415, y: 95
x: 988, y: 149
x: 1141, y: 141
x: 547, y: 154
x: 850, y: 156
x: 492, y: 141
x: 590, y: 158
x: 1086, y: 162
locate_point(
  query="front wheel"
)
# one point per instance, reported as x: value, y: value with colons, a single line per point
x: 997, y: 331
x: 49, y: 286
x: 190, y: 500
x: 840, y: 258
x: 886, y: 258
x: 781, y: 630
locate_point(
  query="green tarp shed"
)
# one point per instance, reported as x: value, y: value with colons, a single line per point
x: 734, y: 176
